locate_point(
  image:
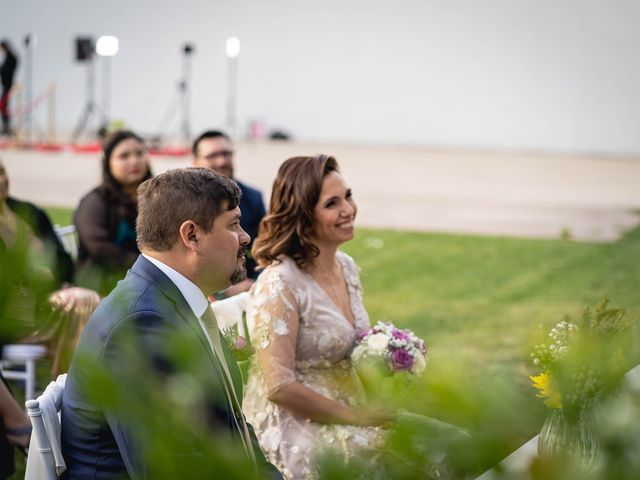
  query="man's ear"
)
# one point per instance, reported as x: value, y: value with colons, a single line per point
x: 189, y: 232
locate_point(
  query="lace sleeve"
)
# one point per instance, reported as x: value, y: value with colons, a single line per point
x: 273, y: 319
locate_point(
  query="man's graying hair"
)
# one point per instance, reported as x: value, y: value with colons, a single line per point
x: 165, y: 202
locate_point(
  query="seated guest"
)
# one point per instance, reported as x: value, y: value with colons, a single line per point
x: 23, y: 219
x: 105, y: 218
x: 33, y: 262
x: 213, y: 149
x: 36, y: 265
x: 151, y: 379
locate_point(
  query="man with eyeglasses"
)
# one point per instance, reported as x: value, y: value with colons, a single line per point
x: 213, y: 149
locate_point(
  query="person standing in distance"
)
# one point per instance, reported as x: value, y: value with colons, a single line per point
x: 7, y: 72
x: 213, y: 149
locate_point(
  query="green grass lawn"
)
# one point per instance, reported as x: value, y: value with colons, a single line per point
x: 480, y: 303
x: 60, y: 215
x: 488, y: 297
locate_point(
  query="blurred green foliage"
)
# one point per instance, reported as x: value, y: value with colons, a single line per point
x: 480, y: 304
x: 25, y: 282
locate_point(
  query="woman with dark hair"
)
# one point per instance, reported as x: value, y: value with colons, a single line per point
x: 106, y: 217
x: 304, y: 313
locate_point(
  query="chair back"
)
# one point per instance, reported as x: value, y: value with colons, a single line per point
x: 45, y: 451
x: 18, y: 362
x: 69, y: 239
x: 230, y: 312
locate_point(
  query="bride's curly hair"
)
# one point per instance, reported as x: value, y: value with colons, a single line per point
x: 288, y: 227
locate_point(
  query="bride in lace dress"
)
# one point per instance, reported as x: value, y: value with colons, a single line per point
x: 304, y: 313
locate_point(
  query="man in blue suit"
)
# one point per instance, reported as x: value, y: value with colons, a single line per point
x: 151, y: 353
x: 213, y: 149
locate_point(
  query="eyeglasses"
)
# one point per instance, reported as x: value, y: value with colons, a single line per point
x: 222, y: 153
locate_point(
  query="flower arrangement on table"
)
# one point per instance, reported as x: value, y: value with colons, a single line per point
x: 384, y: 344
x: 584, y: 361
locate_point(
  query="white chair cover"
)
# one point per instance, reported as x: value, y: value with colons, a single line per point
x: 45, y: 453
x: 229, y: 312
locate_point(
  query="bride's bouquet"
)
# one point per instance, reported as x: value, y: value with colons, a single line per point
x: 398, y: 350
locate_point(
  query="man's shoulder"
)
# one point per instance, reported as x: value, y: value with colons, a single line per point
x: 251, y: 202
x: 137, y: 293
x: 248, y: 190
x: 132, y: 308
x: 134, y: 296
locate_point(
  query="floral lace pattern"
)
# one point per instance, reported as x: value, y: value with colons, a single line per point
x: 301, y: 335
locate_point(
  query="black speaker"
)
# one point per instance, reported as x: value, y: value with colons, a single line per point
x: 84, y: 49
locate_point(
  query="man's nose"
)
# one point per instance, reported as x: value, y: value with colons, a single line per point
x: 244, y: 237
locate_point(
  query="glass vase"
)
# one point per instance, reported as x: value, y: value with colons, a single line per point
x: 570, y: 437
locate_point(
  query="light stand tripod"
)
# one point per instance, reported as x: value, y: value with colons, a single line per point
x: 90, y: 105
x: 182, y: 100
x: 185, y: 90
x: 232, y: 50
x: 27, y: 118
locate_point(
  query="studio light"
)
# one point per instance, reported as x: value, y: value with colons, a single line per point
x: 233, y: 47
x: 107, y: 46
x: 30, y: 44
x: 232, y: 50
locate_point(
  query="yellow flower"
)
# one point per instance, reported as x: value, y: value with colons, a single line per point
x: 543, y: 383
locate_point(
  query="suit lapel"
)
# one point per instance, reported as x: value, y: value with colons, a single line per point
x: 153, y: 274
x: 147, y: 270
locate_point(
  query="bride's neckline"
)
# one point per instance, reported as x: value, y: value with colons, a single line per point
x: 338, y: 267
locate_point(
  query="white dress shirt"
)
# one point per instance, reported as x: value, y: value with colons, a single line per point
x: 189, y: 290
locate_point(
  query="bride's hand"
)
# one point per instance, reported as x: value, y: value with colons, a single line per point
x: 374, y: 415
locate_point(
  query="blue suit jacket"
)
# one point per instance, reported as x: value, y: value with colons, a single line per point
x: 144, y: 331
x: 252, y: 208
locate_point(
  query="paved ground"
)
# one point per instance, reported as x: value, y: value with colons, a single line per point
x: 545, y: 196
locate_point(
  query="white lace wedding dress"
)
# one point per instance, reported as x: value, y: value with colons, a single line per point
x: 300, y: 334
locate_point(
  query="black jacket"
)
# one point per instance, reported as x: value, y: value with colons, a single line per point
x: 8, y: 69
x: 39, y: 222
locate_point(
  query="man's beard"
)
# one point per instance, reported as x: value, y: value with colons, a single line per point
x: 240, y: 273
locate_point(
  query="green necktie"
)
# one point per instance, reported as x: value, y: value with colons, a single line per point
x: 209, y: 320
